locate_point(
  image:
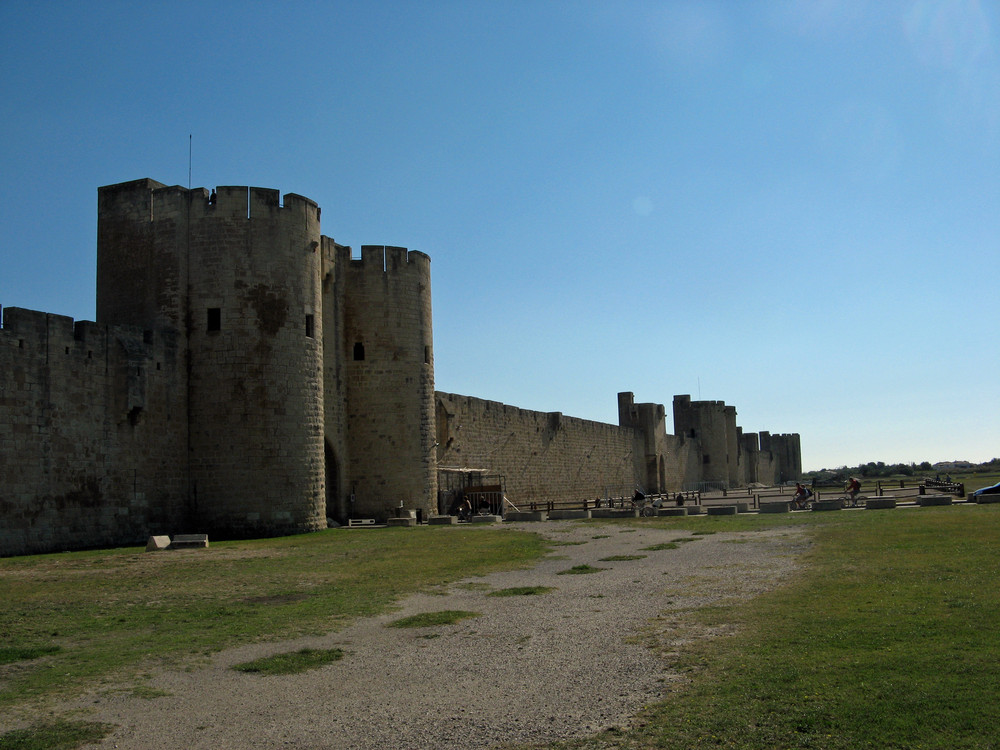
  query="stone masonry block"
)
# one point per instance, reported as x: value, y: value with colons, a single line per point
x: 928, y: 500
x: 157, y: 543
x: 774, y: 507
x: 401, y: 522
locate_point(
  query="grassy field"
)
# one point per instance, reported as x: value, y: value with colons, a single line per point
x: 975, y: 480
x: 888, y: 638
x: 80, y: 618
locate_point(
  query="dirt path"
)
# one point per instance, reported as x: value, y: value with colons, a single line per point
x: 528, y: 669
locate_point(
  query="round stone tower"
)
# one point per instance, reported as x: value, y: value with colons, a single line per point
x: 237, y: 274
x: 389, y: 377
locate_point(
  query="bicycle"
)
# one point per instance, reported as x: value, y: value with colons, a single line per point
x: 857, y: 501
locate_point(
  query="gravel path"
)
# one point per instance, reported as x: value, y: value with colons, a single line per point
x: 528, y: 669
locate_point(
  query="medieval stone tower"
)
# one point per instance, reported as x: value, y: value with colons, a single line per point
x: 387, y: 405
x: 238, y: 277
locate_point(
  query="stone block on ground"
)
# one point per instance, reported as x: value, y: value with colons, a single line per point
x: 928, y: 500
x: 722, y: 510
x: 694, y: 510
x: 775, y: 507
x: 880, y: 503
x: 614, y: 513
x: 677, y: 511
x: 395, y: 522
x: 566, y: 515
x: 742, y: 507
x: 525, y: 515
x: 442, y: 520
x: 157, y: 543
x: 486, y: 519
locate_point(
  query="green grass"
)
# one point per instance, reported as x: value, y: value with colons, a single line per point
x: 887, y: 638
x: 292, y: 662
x: 977, y: 480
x: 58, y: 735
x: 92, y: 614
x: 521, y: 591
x: 11, y: 654
x: 577, y: 570
x: 431, y: 619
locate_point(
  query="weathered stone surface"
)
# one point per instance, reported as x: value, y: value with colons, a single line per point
x: 486, y: 519
x: 722, y: 510
x: 401, y: 522
x: 442, y: 520
x: 157, y: 543
x: 562, y: 515
x: 742, y: 507
x: 671, y: 511
x: 775, y: 507
x: 614, y: 513
x: 928, y: 500
x: 198, y: 398
x: 525, y: 515
x: 694, y: 510
x: 880, y: 503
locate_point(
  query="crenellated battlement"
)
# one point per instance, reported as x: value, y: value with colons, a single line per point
x: 384, y: 259
x: 36, y: 334
x: 149, y: 200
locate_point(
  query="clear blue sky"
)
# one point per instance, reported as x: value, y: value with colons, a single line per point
x: 792, y: 207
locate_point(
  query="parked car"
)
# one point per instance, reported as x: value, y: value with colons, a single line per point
x: 992, y: 490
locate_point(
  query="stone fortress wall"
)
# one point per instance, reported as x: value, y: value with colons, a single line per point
x: 81, y: 464
x: 548, y: 457
x: 247, y: 376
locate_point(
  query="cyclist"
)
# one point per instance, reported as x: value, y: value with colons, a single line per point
x: 853, y: 488
x: 801, y: 497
